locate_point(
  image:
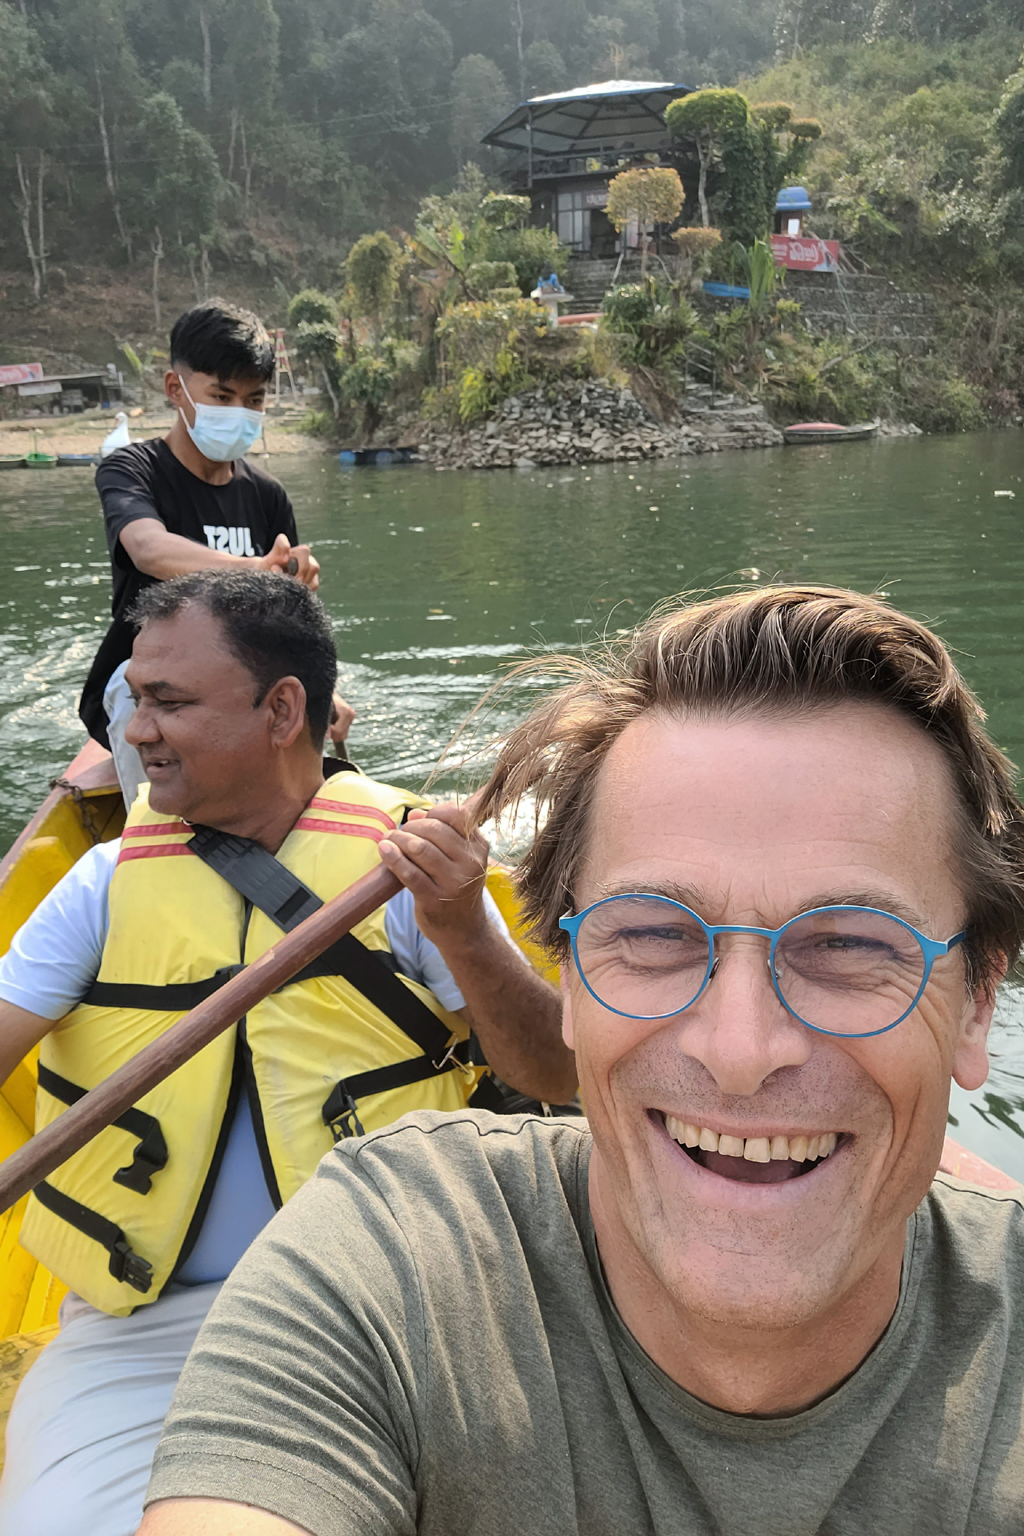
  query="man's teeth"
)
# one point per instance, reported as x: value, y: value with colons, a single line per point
x: 755, y: 1149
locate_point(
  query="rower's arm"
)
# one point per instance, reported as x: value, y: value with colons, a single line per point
x: 515, y: 1013
x: 55, y: 955
x: 19, y: 1032
x: 517, y: 1017
x: 157, y: 552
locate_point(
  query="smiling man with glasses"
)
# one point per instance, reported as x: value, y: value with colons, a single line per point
x: 783, y: 866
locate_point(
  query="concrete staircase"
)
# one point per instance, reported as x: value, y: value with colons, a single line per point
x: 588, y: 281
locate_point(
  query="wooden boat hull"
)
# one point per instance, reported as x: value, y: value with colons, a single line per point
x: 83, y: 808
x: 40, y: 461
x: 77, y: 460
x: 818, y: 432
x: 11, y: 461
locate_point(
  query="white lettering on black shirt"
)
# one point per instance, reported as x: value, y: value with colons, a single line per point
x: 237, y: 541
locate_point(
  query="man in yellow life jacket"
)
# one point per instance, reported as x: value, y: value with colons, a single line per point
x: 237, y: 838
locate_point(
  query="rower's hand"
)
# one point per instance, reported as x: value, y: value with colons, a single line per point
x: 342, y: 716
x: 292, y: 560
x: 445, y: 870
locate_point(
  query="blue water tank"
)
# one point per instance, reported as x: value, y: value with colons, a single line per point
x: 792, y: 200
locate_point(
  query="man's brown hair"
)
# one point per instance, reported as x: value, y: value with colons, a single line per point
x: 771, y: 650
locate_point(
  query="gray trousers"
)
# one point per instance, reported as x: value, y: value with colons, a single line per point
x: 86, y: 1419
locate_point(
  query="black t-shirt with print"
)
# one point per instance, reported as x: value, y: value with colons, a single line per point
x: 242, y: 517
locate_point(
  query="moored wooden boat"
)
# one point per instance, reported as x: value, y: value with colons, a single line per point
x: 828, y: 432
x: 380, y: 457
x: 12, y: 461
x: 40, y: 460
x: 80, y: 460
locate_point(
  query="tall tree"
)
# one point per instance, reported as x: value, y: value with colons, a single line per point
x: 644, y: 195
x: 176, y: 196
x: 26, y: 96
x: 480, y: 98
x: 706, y: 116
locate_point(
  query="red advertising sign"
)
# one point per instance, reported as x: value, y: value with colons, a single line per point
x: 20, y: 373
x: 805, y: 253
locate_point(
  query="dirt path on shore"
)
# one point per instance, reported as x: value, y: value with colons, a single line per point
x: 84, y: 433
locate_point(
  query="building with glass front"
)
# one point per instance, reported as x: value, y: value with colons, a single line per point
x: 564, y: 149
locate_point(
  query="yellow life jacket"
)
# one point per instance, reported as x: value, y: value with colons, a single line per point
x: 328, y: 1055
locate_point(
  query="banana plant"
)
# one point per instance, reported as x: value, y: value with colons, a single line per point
x: 457, y: 249
x: 140, y: 366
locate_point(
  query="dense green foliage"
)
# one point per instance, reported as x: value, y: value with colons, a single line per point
x: 532, y: 252
x: 647, y: 195
x: 271, y: 136
x: 650, y: 323
x: 918, y: 170
x: 274, y: 132
x: 490, y: 350
x: 755, y: 149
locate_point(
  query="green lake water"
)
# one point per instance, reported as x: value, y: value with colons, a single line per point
x: 437, y: 580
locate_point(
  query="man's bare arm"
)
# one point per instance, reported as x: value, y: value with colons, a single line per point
x: 515, y: 1013
x: 156, y: 552
x: 19, y: 1032
x: 213, y: 1517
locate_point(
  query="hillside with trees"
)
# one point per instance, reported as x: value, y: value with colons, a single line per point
x: 156, y: 151
x: 277, y: 131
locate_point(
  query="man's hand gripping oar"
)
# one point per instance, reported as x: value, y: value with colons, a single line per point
x: 109, y: 1099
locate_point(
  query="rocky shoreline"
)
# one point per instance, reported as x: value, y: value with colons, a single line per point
x: 588, y: 423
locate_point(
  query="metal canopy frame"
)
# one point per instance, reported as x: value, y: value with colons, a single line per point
x: 577, y: 122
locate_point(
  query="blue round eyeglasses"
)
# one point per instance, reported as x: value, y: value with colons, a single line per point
x: 844, y: 970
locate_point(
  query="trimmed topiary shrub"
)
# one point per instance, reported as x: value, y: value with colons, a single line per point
x: 531, y: 252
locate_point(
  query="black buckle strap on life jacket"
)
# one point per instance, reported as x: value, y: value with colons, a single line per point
x: 339, y: 1111
x: 287, y: 900
x: 256, y: 875
x: 176, y: 997
x: 126, y: 1266
x: 151, y: 1153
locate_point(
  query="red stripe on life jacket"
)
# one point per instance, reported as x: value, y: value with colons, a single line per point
x: 157, y: 829
x: 348, y: 828
x: 354, y: 810
x: 154, y: 851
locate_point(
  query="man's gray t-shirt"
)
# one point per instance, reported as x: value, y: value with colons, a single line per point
x: 422, y: 1341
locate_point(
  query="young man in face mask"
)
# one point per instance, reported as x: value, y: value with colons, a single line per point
x: 191, y: 500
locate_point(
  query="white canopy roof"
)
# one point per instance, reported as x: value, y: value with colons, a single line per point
x: 617, y: 114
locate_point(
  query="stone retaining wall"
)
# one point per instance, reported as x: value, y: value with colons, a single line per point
x: 587, y: 424
x: 854, y: 305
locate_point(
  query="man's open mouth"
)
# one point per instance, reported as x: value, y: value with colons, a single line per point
x: 753, y: 1159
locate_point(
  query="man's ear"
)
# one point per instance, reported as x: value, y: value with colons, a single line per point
x: 285, y: 703
x: 564, y: 983
x: 970, y: 1058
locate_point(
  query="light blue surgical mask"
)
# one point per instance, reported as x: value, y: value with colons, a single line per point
x: 222, y: 432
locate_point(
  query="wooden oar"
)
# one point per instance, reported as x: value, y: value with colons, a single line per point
x: 78, y: 1124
